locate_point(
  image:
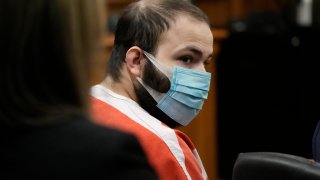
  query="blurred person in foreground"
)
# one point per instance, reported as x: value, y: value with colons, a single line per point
x: 156, y: 80
x: 48, y: 51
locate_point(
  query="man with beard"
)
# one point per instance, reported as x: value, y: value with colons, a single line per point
x: 156, y: 80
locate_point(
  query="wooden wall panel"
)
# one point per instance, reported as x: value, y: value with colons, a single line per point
x: 220, y: 12
x: 217, y: 11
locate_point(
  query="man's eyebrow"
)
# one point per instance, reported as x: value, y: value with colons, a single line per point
x: 196, y: 51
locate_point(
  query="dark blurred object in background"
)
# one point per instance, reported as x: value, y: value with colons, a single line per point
x: 316, y: 14
x: 268, y: 74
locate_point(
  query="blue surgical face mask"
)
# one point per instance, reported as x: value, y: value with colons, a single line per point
x: 189, y: 88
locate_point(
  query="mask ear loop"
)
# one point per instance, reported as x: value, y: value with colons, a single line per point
x: 164, y: 69
x: 157, y: 96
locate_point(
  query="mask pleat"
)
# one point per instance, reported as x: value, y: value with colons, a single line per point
x: 177, y: 111
x: 194, y: 92
x: 193, y: 102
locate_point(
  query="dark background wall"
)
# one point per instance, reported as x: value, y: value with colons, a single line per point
x: 268, y: 89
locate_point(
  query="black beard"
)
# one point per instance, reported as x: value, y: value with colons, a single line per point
x: 159, y: 82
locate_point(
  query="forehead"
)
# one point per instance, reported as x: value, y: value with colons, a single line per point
x: 186, y: 31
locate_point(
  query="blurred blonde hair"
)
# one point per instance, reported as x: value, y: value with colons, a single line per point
x: 48, y: 50
x: 85, y: 32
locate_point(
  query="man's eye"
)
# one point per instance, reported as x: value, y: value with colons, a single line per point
x: 186, y: 59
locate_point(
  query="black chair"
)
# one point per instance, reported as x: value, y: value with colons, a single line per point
x: 274, y: 166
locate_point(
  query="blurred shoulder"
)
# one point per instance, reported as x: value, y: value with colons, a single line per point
x: 75, y: 149
x: 82, y: 133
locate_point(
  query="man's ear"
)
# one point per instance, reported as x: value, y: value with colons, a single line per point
x: 134, y: 60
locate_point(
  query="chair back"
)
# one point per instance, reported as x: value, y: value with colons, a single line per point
x: 274, y: 166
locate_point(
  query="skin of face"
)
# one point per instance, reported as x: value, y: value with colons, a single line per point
x: 188, y: 43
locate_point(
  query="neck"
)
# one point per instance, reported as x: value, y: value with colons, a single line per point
x: 123, y: 87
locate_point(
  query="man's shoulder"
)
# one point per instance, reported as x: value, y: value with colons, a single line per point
x: 103, y: 111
